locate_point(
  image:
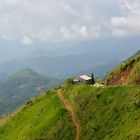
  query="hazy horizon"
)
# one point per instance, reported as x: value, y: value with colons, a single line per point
x: 107, y: 30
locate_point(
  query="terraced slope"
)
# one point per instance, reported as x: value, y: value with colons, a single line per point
x: 44, y: 118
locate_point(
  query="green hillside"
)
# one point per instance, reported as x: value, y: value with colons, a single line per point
x: 110, y: 113
x: 44, y: 118
x: 78, y: 110
x: 22, y: 86
x: 126, y: 73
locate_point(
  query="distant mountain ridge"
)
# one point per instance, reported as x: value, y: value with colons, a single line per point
x: 61, y: 67
x: 21, y: 87
x: 61, y: 60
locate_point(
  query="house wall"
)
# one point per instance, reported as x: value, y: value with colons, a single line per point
x: 84, y: 81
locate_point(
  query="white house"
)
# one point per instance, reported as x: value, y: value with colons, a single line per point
x: 83, y: 79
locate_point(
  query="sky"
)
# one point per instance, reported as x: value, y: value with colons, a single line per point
x: 31, y: 21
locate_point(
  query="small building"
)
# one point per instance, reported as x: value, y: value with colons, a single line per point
x: 83, y: 79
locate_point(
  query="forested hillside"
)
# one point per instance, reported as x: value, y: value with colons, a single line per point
x: 21, y: 87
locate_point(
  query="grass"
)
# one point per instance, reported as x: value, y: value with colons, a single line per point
x: 44, y: 118
x: 132, y: 65
x: 125, y: 64
x: 110, y: 113
x: 21, y: 87
x: 134, y: 76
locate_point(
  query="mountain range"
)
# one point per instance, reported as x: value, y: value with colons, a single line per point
x: 61, y: 61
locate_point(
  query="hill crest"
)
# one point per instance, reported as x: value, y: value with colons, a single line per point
x: 126, y: 73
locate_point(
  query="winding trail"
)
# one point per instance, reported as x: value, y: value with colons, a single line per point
x: 72, y: 114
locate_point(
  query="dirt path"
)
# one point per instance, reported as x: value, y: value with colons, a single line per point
x: 71, y: 112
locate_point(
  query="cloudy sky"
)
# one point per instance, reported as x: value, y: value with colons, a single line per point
x: 30, y: 21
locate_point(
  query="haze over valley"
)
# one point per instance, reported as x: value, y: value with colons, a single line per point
x: 65, y: 61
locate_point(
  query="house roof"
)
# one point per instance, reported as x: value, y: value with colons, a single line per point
x: 85, y: 77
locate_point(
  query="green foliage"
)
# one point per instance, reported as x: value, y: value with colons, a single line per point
x: 21, y: 87
x: 44, y: 118
x: 69, y: 81
x: 133, y: 65
x: 125, y: 64
x: 93, y: 80
x: 110, y: 113
x: 134, y: 76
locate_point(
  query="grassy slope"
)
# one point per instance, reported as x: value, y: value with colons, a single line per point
x: 132, y: 69
x: 44, y: 118
x: 21, y: 87
x: 111, y: 113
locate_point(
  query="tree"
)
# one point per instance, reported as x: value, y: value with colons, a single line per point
x: 92, y: 79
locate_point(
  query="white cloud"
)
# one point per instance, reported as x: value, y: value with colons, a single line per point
x: 119, y: 33
x: 129, y: 22
x: 13, y: 2
x: 48, y: 20
x: 70, y: 33
x: 119, y: 21
x: 84, y: 32
x: 26, y: 40
x: 75, y: 32
x: 68, y: 20
x: 9, y: 1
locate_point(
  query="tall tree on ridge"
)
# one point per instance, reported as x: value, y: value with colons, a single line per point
x: 92, y: 79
